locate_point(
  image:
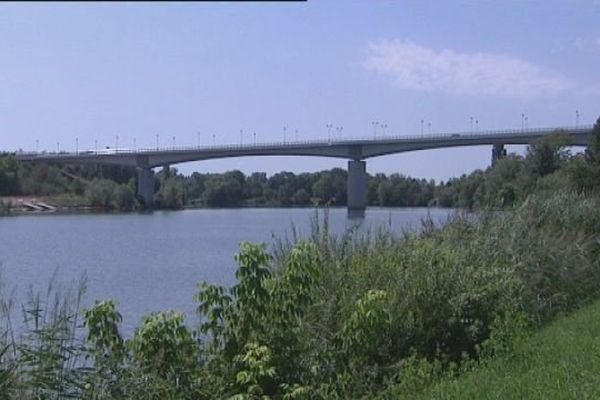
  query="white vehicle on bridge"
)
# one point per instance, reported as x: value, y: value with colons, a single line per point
x: 109, y: 150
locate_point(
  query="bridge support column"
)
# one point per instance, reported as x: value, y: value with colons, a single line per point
x: 357, y: 188
x: 145, y: 186
x: 498, y: 152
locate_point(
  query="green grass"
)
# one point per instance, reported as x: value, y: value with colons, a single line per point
x: 562, y: 361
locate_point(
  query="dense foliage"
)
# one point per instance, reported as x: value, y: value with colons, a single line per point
x: 558, y: 362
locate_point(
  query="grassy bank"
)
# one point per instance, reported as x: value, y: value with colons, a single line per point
x: 560, y: 362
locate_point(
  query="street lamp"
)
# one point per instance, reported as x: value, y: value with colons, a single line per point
x: 254, y: 134
x: 296, y: 135
x: 422, y: 127
x: 471, y: 124
x: 96, y: 145
x: 339, y: 130
x: 522, y: 121
x: 214, y: 139
x: 526, y: 122
x: 284, y: 133
x: 198, y: 139
x: 576, y: 119
x: 374, y: 123
x: 429, y: 128
x: 117, y: 143
x: 134, y: 145
x: 241, y: 136
x: 76, y: 145
x: 383, y: 128
x: 37, y: 145
x: 329, y: 126
x: 58, y: 147
x: 476, y: 125
x: 173, y: 141
x: 157, y: 141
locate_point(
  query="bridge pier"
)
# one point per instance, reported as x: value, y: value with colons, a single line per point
x: 145, y: 186
x: 357, y: 188
x: 498, y: 152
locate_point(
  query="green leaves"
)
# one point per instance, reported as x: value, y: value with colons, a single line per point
x: 365, y: 335
x: 255, y: 323
x: 164, y: 345
x: 102, y: 321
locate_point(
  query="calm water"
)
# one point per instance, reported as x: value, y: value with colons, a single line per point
x: 153, y: 262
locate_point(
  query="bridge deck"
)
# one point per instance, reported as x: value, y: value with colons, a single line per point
x: 356, y: 149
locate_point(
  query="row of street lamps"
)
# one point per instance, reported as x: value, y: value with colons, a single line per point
x: 474, y: 123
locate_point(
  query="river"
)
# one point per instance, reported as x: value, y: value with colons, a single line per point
x: 153, y: 262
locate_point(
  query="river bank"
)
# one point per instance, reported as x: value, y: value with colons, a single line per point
x: 19, y: 205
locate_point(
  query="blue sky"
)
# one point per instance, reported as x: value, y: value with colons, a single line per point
x: 97, y: 70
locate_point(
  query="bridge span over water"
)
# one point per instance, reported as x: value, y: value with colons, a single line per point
x: 355, y: 150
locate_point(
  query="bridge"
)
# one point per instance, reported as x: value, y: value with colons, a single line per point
x: 356, y: 151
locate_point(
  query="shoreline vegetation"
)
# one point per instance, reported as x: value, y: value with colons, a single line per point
x: 357, y: 316
x: 375, y: 315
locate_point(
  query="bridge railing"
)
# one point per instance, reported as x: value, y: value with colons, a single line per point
x: 315, y: 142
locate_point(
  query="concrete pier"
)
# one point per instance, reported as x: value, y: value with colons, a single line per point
x: 145, y: 186
x: 357, y: 188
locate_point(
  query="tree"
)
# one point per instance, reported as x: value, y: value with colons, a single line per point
x: 123, y: 198
x: 584, y: 172
x: 9, y: 178
x: 548, y: 154
x: 171, y: 194
x: 330, y: 187
x: 99, y: 192
x: 592, y: 152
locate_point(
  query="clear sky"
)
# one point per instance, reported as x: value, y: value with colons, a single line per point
x: 92, y: 71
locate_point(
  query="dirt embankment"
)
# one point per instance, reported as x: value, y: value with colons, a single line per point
x: 39, y: 204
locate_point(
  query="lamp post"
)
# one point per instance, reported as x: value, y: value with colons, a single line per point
x: 157, y: 141
x: 254, y: 134
x: 329, y: 126
x: 374, y: 123
x: 198, y: 139
x: 429, y: 128
x: 383, y: 128
x: 37, y: 145
x: 476, y: 125
x: 471, y: 124
x: 522, y: 121
x: 339, y: 130
x: 422, y: 121
x: 284, y: 134
x: 117, y: 143
x: 214, y: 140
x: 58, y: 147
x: 134, y: 145
x: 576, y: 119
x: 76, y: 145
x: 241, y: 137
x: 173, y: 141
x: 296, y: 135
x: 96, y: 145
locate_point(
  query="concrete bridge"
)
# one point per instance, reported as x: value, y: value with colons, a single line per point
x: 355, y: 150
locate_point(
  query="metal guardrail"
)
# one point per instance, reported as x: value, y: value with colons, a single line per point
x: 316, y: 142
